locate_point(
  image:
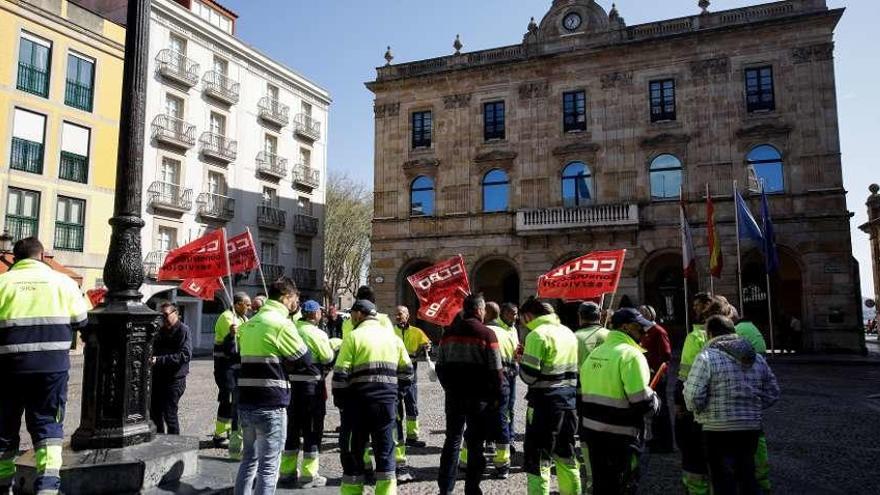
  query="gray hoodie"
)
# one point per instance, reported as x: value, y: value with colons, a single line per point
x: 730, y: 385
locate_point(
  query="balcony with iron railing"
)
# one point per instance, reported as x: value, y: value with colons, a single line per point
x: 305, y: 278
x: 305, y: 225
x: 74, y: 167
x: 272, y: 271
x: 271, y: 164
x: 271, y: 217
x: 220, y: 87
x: 177, y: 67
x: 78, y: 95
x: 174, y: 131
x: 610, y: 215
x: 307, y: 127
x: 168, y: 196
x: 32, y: 79
x: 21, y: 227
x: 304, y: 175
x: 215, y: 207
x: 218, y: 147
x: 27, y: 156
x: 152, y: 262
x: 273, y: 111
x: 69, y: 236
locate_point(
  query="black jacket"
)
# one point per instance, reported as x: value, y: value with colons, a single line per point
x: 469, y: 362
x: 173, y: 351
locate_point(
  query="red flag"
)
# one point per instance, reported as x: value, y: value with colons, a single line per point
x: 242, y: 253
x: 202, y: 258
x: 203, y: 288
x: 441, y: 289
x: 587, y: 277
x: 96, y: 295
x: 716, y: 260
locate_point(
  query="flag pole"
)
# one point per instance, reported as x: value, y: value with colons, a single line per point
x: 739, y: 281
x: 711, y: 278
x: 767, y: 271
x: 259, y: 263
x: 687, y: 305
x: 229, y: 274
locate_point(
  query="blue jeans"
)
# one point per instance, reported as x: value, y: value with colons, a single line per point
x: 263, y: 434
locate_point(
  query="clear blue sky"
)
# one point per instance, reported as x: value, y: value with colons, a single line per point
x: 338, y: 44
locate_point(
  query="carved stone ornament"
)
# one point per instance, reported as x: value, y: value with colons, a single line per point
x: 386, y: 110
x: 456, y: 101
x: 421, y: 163
x: 538, y: 89
x: 616, y: 79
x: 496, y: 156
x: 574, y: 148
x: 762, y: 130
x: 812, y: 53
x: 665, y: 139
x: 710, y: 67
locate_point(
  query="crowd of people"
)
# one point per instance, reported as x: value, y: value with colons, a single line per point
x: 597, y: 396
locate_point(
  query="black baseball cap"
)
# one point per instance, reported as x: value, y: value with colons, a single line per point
x: 364, y: 306
x: 629, y: 315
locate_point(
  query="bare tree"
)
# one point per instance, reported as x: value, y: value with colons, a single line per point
x: 347, y: 233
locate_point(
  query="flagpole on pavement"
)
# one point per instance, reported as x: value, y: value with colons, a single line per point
x: 708, y: 220
x: 259, y: 263
x: 739, y: 281
x: 767, y: 247
x: 684, y: 249
x: 229, y: 274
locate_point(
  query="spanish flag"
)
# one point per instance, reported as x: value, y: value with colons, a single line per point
x: 716, y: 260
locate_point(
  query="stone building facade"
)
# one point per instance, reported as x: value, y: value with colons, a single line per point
x: 581, y: 137
x: 872, y: 228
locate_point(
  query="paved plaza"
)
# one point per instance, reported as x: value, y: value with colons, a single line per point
x: 823, y: 434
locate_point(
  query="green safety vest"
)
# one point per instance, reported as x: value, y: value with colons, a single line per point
x: 347, y: 325
x: 221, y: 330
x: 319, y: 345
x: 370, y: 364
x: 693, y: 344
x: 507, y: 344
x: 615, y: 387
x: 588, y: 339
x: 270, y: 345
x: 549, y: 363
x: 39, y: 309
x: 753, y: 335
x: 413, y: 339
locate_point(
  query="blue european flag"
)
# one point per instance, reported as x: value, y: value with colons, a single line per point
x: 748, y: 227
x: 771, y: 256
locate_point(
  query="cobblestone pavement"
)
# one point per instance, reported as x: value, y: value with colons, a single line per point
x: 823, y: 435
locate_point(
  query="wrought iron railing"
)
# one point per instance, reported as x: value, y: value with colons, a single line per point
x: 69, y: 236
x: 271, y: 164
x: 216, y: 206
x: 270, y: 216
x: 78, y: 95
x: 306, y: 126
x: 174, y: 130
x: 27, y: 156
x: 33, y: 79
x: 306, y: 278
x: 220, y: 86
x: 218, y: 146
x: 168, y: 195
x: 21, y: 227
x: 74, y: 167
x: 274, y: 111
x: 153, y: 261
x: 306, y: 175
x: 177, y: 66
x: 305, y: 225
x: 272, y: 271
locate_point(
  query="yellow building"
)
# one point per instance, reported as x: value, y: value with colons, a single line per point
x: 60, y: 91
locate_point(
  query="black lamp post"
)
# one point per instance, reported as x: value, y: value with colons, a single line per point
x: 119, y: 337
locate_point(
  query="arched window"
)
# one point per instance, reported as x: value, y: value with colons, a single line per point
x: 496, y: 191
x: 665, y: 177
x: 577, y: 185
x: 422, y: 197
x: 767, y: 162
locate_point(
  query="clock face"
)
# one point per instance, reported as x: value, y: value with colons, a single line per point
x: 572, y: 21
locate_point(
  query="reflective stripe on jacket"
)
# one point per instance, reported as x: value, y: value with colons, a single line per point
x: 614, y: 387
x: 371, y: 364
x: 549, y: 363
x: 507, y: 344
x: 319, y: 345
x: 39, y: 309
x: 271, y: 348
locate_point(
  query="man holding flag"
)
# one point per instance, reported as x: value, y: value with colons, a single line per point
x: 225, y: 372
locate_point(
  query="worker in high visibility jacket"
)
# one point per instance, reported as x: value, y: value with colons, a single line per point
x: 615, y: 400
x: 688, y: 433
x: 371, y: 367
x: 417, y: 344
x: 549, y: 368
x: 590, y: 335
x: 366, y: 292
x: 39, y: 310
x: 226, y: 364
x: 307, y: 408
x: 502, y: 433
x: 271, y: 350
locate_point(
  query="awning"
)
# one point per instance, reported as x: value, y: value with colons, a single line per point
x: 7, y: 260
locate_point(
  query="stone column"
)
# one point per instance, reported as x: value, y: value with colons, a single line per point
x: 119, y: 337
x: 872, y: 228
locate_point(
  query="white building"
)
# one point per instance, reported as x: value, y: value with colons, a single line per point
x: 235, y: 140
